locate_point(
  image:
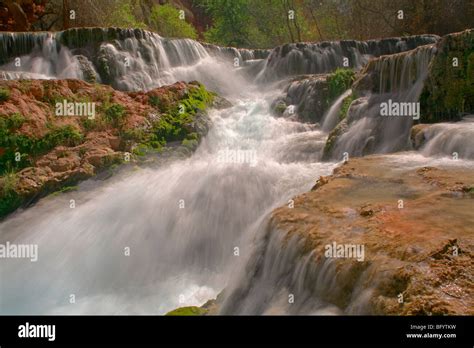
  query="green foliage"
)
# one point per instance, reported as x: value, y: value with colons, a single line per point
x: 165, y: 19
x: 114, y: 114
x: 14, y: 121
x: 155, y: 101
x: 263, y: 24
x: 4, y: 94
x: 9, y: 198
x: 176, y: 124
x: 28, y: 147
x: 232, y: 22
x: 187, y: 311
x: 65, y: 136
x: 124, y: 16
x: 339, y: 81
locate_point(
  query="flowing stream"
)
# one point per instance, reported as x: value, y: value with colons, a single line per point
x: 154, y: 239
x: 182, y: 222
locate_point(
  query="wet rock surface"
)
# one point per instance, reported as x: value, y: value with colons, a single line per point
x: 415, y: 225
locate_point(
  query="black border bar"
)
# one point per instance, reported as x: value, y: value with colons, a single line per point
x: 224, y: 330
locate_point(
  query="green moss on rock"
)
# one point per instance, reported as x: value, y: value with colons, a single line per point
x: 331, y: 141
x: 346, y: 103
x: 187, y: 311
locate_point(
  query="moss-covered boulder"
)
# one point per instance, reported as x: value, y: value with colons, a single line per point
x: 333, y: 136
x: 449, y: 89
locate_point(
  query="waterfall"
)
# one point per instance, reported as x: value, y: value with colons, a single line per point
x: 395, y: 79
x: 127, y: 59
x: 324, y: 57
x: 47, y: 59
x: 282, y: 278
x: 331, y: 118
x: 447, y: 139
x: 198, y: 225
x: 178, y: 256
x: 136, y: 59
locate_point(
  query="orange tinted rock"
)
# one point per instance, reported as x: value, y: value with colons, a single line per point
x: 424, y: 251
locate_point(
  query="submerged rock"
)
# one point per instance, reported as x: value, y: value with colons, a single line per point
x: 308, y: 95
x: 417, y: 135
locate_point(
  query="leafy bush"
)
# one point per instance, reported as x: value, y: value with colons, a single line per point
x: 115, y: 114
x: 123, y: 16
x: 66, y: 136
x: 15, y: 121
x: 165, y: 20
x: 339, y: 81
x: 155, y: 101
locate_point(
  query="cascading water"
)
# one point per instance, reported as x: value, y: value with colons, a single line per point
x: 400, y: 81
x: 47, y: 60
x: 448, y: 139
x: 331, y: 119
x: 177, y: 256
x: 323, y: 57
x: 182, y: 222
x: 127, y: 59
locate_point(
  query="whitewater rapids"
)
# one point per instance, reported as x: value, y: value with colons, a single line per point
x: 181, y: 222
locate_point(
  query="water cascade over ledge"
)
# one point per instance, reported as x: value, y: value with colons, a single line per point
x: 200, y: 225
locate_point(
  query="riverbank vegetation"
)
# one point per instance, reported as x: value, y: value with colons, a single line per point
x: 41, y: 152
x: 250, y: 23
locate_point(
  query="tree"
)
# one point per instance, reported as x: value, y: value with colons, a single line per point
x: 232, y: 22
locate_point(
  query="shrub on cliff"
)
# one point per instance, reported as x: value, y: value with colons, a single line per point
x: 115, y: 114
